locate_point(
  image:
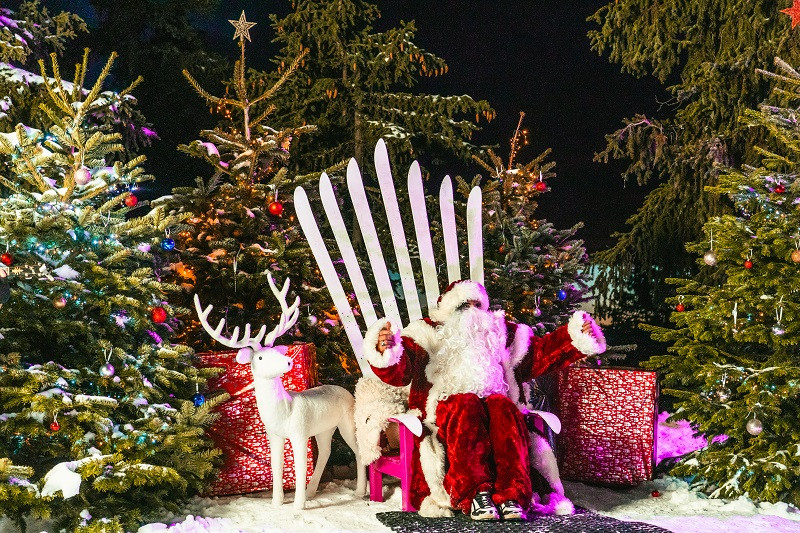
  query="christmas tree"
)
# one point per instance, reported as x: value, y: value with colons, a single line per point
x: 162, y: 38
x: 533, y: 270
x: 734, y: 354
x: 97, y: 403
x: 357, y: 84
x: 704, y: 53
x: 31, y: 34
x: 241, y: 226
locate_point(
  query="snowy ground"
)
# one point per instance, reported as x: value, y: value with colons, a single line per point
x: 335, y: 508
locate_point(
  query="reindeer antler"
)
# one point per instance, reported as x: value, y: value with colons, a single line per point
x: 288, y: 318
x: 216, y: 334
x: 288, y: 314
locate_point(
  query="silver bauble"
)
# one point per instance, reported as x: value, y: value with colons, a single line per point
x: 754, y: 426
x: 777, y: 329
x: 710, y: 258
x: 107, y: 370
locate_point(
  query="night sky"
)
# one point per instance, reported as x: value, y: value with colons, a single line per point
x: 530, y: 56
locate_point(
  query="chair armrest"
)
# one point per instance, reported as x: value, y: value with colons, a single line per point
x: 551, y: 419
x: 410, y: 421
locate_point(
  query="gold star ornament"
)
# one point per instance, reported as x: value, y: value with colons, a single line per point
x: 242, y: 28
x: 793, y: 12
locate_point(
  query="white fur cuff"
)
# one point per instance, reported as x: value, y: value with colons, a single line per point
x: 390, y: 356
x: 430, y: 509
x: 589, y: 343
x: 521, y: 343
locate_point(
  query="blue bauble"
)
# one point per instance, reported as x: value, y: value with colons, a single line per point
x: 198, y: 399
x: 562, y: 294
x: 168, y: 244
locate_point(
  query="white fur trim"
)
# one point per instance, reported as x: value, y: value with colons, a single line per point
x: 430, y: 509
x: 423, y: 334
x: 431, y: 458
x: 520, y: 345
x: 561, y: 505
x: 389, y: 357
x: 543, y: 460
x: 461, y: 292
x: 588, y: 343
x: 557, y: 504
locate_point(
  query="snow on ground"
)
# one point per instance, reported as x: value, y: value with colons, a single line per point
x: 336, y: 509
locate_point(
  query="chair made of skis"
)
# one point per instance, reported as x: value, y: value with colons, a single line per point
x: 398, y: 466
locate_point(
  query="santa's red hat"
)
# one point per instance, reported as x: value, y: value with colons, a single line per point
x: 456, y: 294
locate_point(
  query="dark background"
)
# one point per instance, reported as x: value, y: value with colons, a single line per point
x: 530, y: 56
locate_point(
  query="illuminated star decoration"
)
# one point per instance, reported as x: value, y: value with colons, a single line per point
x: 243, y: 27
x: 793, y: 12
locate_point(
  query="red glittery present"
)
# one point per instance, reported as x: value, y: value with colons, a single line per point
x: 240, y: 433
x: 608, y: 417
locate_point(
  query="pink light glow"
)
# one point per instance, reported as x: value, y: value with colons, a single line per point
x: 677, y: 438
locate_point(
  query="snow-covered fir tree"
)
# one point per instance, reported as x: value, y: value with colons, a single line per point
x: 241, y: 225
x: 99, y: 423
x: 734, y: 357
x: 358, y: 85
x: 536, y: 272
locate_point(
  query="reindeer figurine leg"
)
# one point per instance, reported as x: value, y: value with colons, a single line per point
x: 324, y: 450
x: 348, y: 430
x: 300, y: 468
x: 276, y: 462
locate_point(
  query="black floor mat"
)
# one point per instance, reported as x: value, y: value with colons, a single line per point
x: 583, y: 521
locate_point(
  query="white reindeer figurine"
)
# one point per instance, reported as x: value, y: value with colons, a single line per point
x: 286, y: 414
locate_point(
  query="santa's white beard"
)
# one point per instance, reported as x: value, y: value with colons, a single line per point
x: 470, y: 357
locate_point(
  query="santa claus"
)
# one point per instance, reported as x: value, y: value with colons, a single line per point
x: 465, y: 365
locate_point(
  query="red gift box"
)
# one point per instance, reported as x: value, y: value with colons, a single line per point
x: 239, y: 431
x: 608, y: 418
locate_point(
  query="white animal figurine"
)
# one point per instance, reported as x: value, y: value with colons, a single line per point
x: 286, y: 414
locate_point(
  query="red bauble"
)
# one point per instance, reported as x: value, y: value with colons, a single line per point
x: 275, y: 208
x: 680, y: 308
x: 655, y: 494
x: 541, y: 186
x: 55, y: 426
x: 131, y: 200
x: 6, y: 258
x: 780, y: 189
x: 748, y: 264
x: 158, y: 314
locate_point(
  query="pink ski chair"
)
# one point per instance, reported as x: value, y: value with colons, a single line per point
x: 399, y: 466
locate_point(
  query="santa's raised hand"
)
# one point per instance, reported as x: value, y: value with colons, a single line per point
x: 385, y: 338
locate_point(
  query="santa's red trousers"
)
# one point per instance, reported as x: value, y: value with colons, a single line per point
x: 486, y: 445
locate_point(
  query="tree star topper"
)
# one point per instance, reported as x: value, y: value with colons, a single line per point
x: 793, y: 12
x: 243, y: 27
